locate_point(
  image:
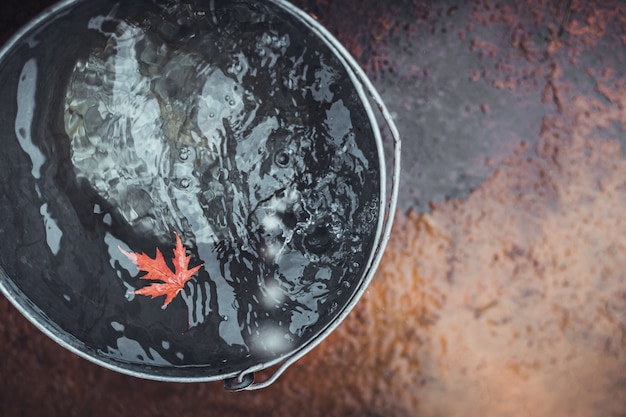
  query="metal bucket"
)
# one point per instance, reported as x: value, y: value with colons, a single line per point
x: 222, y: 156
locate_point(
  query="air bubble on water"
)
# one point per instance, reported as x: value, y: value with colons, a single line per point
x: 211, y: 115
x: 346, y: 284
x: 66, y: 297
x: 224, y: 317
x: 184, y: 154
x: 185, y: 183
x: 231, y: 102
x: 282, y: 159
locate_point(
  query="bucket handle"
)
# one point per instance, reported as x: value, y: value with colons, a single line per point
x: 245, y: 380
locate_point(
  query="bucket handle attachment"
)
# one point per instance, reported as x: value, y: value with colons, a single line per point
x: 245, y: 380
x: 239, y: 383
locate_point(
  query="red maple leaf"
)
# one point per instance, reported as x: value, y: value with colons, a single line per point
x: 157, y: 270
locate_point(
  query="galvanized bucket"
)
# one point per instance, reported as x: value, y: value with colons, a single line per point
x: 191, y: 190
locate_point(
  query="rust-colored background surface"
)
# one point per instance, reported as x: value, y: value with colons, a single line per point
x: 503, y: 290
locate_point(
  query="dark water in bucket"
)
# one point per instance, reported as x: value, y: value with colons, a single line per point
x: 222, y: 121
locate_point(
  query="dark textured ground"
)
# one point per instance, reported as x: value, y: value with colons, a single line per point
x: 503, y: 291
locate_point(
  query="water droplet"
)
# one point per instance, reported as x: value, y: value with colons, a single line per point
x: 184, y: 154
x: 282, y: 159
x: 227, y: 98
x: 185, y: 183
x: 231, y: 102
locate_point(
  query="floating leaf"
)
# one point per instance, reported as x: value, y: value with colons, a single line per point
x: 171, y: 282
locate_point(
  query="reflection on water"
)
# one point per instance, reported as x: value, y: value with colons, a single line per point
x: 53, y: 231
x: 26, y: 89
x: 223, y: 123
